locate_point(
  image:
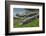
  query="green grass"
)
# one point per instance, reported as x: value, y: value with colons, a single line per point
x: 33, y: 23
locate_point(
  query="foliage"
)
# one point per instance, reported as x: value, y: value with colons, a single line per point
x: 33, y: 23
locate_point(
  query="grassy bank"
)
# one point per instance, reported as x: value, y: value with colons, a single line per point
x: 33, y: 23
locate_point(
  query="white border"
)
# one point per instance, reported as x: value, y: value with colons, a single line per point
x: 26, y: 28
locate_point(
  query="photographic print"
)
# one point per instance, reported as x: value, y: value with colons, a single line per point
x: 24, y: 17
